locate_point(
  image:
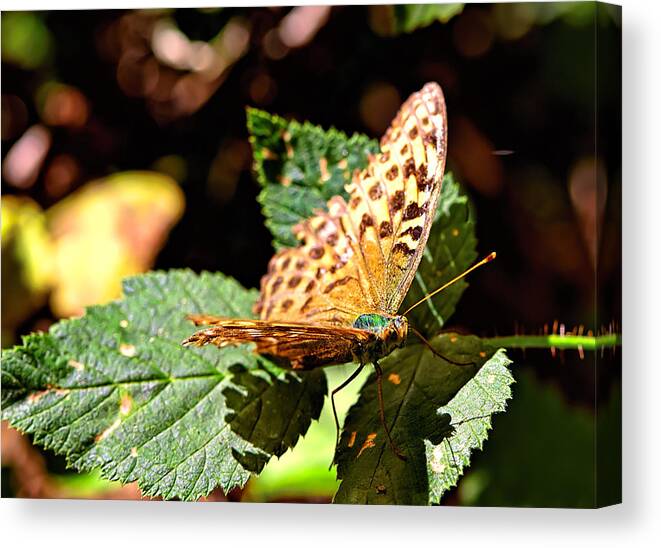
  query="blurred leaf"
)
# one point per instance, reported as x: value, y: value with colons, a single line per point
x: 471, y: 410
x: 116, y: 391
x: 608, y: 446
x: 26, y: 41
x: 83, y: 486
x: 107, y: 230
x: 416, y: 385
x: 300, y: 167
x: 410, y: 17
x: 525, y: 465
x: 27, y: 259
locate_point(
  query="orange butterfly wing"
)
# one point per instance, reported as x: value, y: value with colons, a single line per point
x: 302, y: 346
x: 361, y: 256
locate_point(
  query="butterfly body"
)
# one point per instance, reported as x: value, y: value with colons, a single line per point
x: 302, y: 346
x: 390, y: 333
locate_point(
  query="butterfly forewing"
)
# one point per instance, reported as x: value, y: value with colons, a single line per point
x: 302, y: 346
x: 360, y: 256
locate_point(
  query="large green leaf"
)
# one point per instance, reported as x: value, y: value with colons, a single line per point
x: 288, y: 156
x: 416, y: 386
x: 115, y: 390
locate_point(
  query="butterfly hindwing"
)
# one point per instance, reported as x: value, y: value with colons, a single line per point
x: 360, y: 256
x: 300, y: 346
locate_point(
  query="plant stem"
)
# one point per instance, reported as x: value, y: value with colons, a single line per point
x: 558, y: 341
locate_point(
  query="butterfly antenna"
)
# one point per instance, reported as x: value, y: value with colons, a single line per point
x: 434, y: 351
x: 490, y: 257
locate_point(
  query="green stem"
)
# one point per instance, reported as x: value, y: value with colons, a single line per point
x: 557, y: 341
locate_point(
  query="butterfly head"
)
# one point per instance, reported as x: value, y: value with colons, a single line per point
x: 397, y: 330
x: 391, y: 330
x: 394, y: 334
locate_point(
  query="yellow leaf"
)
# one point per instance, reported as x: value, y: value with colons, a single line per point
x: 27, y: 259
x: 109, y: 229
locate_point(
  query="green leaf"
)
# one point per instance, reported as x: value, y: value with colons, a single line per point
x: 410, y: 17
x: 471, y: 410
x: 416, y: 386
x: 116, y: 391
x: 300, y: 167
x: 289, y: 151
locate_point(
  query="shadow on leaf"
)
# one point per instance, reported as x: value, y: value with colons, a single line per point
x: 271, y: 411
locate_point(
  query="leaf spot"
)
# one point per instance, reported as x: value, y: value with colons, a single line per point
x: 127, y: 350
x: 369, y: 442
x: 394, y: 378
x: 352, y: 439
x: 36, y: 396
x: 483, y: 354
x: 103, y: 435
x: 437, y: 466
x: 323, y: 169
x: 380, y: 489
x: 125, y: 404
x: 134, y: 452
x: 455, y: 232
x: 76, y: 365
x: 453, y: 339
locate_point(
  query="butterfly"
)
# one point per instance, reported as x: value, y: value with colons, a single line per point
x: 334, y: 298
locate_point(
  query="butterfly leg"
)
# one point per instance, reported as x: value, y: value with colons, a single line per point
x: 335, y: 391
x: 382, y: 413
x: 434, y: 351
